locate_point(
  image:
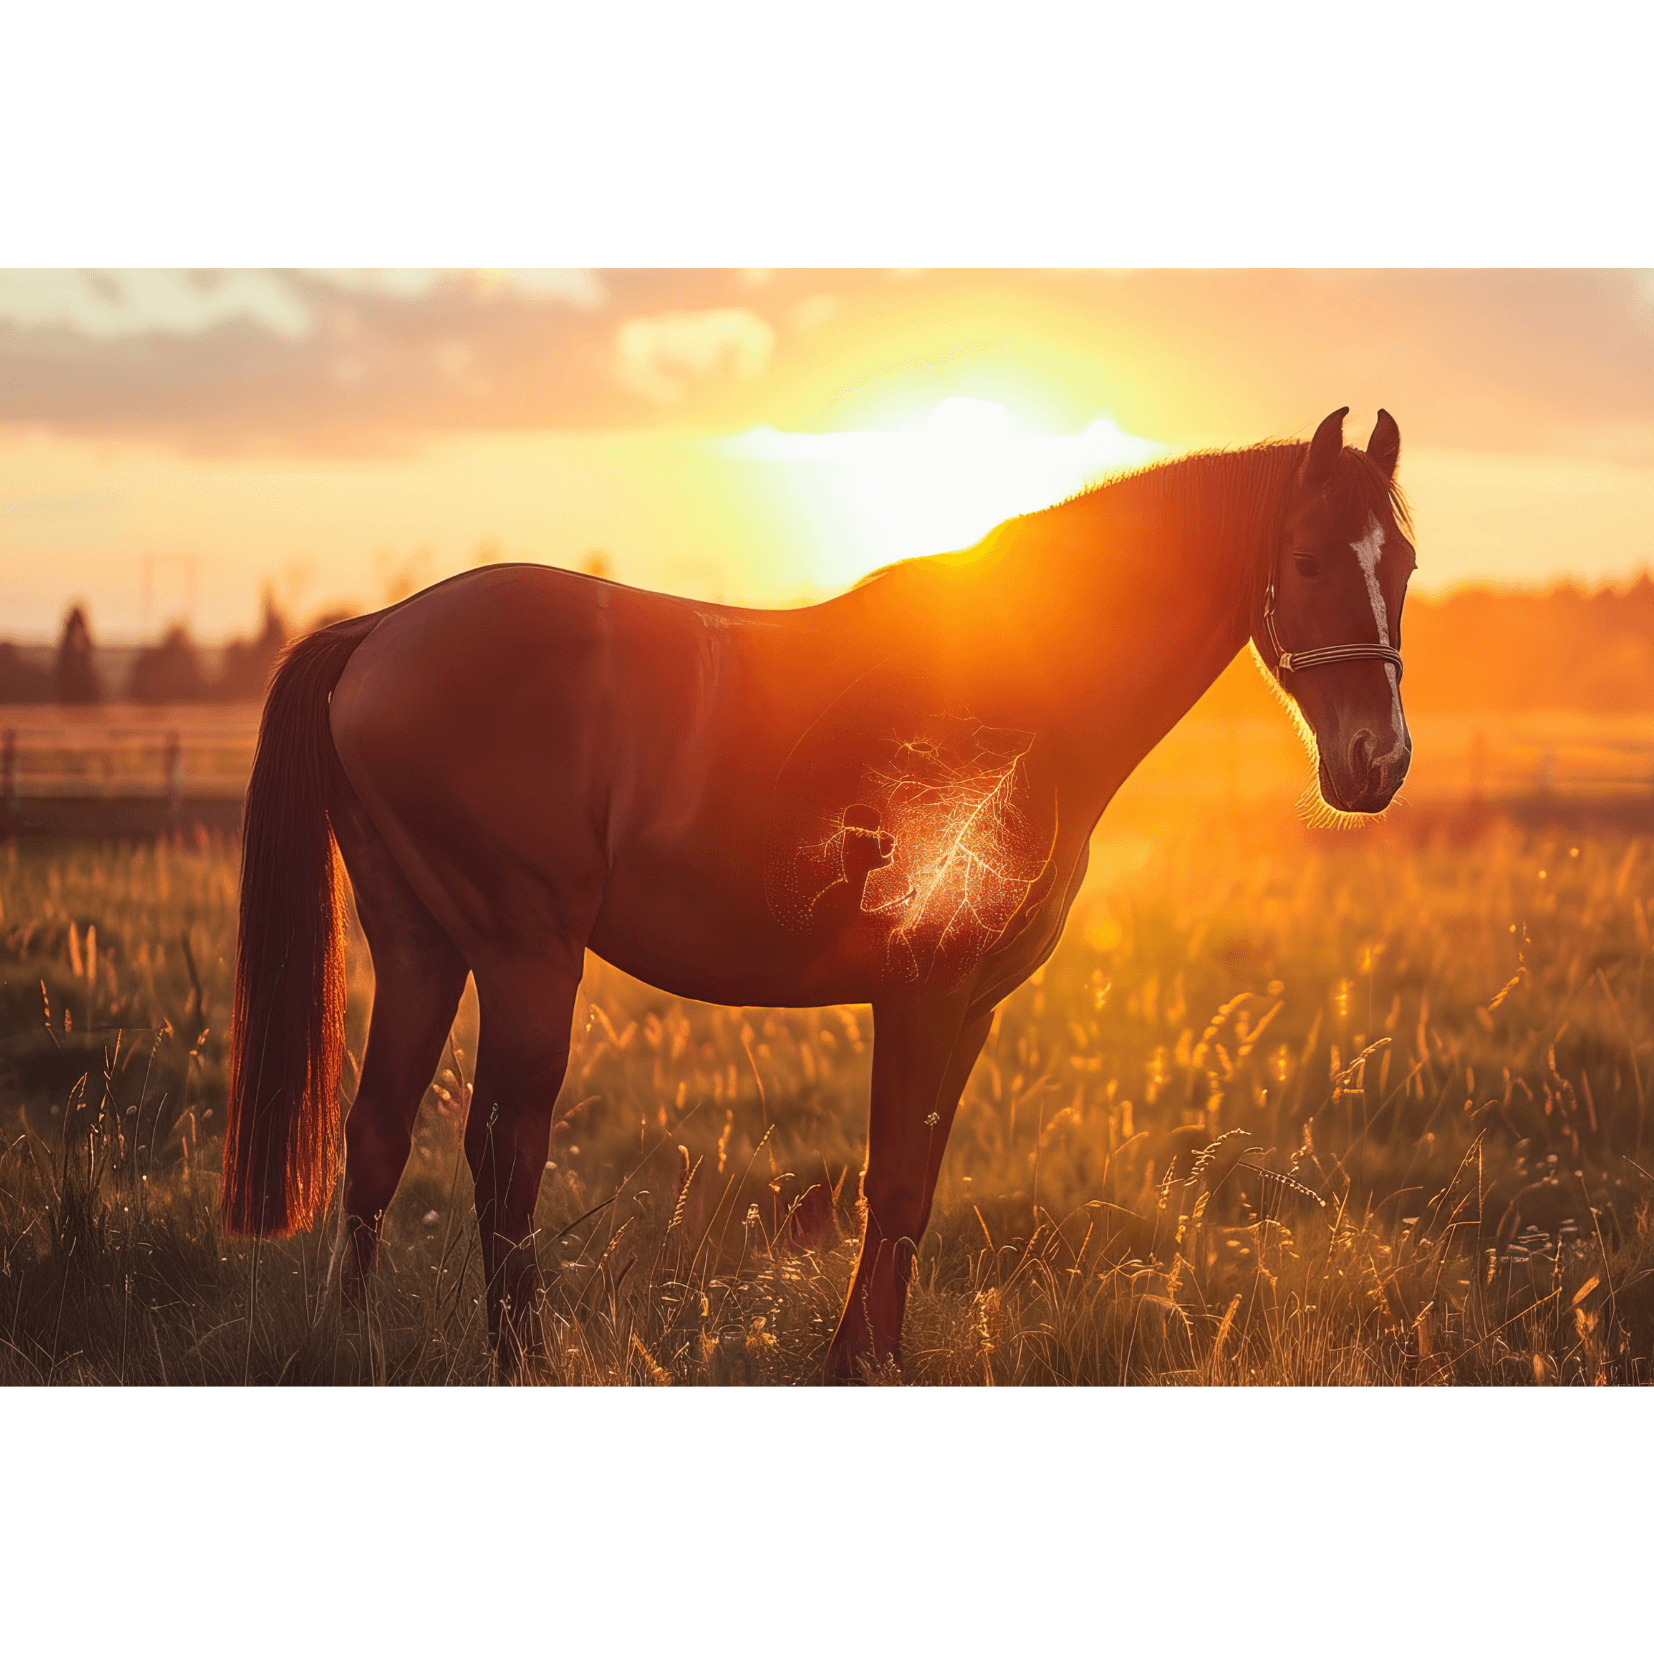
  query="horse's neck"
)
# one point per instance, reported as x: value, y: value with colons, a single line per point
x: 1099, y: 622
x: 1139, y: 595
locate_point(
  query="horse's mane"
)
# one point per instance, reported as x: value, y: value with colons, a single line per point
x: 1219, y: 479
x: 1362, y: 483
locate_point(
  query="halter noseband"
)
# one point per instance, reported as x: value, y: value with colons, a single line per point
x: 1333, y: 655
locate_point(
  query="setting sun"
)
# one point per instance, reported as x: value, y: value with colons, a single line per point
x: 861, y: 499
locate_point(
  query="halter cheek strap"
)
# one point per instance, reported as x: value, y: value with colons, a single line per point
x: 1332, y: 655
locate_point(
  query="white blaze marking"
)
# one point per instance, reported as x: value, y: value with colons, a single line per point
x: 1368, y: 550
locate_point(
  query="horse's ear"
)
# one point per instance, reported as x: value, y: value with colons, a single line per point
x: 1384, y: 445
x: 1324, y: 448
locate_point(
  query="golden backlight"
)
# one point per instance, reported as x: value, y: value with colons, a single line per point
x: 1260, y: 1106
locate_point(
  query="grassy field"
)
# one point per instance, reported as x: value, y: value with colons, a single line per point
x: 1437, y: 1044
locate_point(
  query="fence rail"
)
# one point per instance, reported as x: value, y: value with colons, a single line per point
x: 122, y: 778
x: 122, y: 760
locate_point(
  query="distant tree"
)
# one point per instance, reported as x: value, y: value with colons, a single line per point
x: 248, y: 662
x: 75, y: 675
x: 169, y: 672
x: 21, y: 681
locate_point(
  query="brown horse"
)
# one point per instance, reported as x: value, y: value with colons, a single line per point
x: 882, y: 799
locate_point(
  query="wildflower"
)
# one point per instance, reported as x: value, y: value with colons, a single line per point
x: 933, y: 1118
x: 752, y: 1215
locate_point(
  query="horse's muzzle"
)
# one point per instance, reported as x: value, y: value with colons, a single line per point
x: 1367, y: 779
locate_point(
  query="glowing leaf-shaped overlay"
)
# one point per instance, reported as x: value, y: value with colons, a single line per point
x: 930, y: 836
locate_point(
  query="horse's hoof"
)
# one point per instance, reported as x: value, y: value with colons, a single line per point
x: 520, y: 1364
x: 519, y: 1350
x: 353, y: 1289
x: 860, y: 1366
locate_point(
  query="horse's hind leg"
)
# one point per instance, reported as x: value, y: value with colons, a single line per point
x: 419, y: 976
x: 527, y: 1003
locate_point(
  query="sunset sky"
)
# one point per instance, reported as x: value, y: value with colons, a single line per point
x: 171, y: 441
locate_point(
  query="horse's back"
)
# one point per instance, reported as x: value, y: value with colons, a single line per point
x: 528, y: 741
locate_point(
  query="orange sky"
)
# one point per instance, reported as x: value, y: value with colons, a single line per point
x: 169, y: 441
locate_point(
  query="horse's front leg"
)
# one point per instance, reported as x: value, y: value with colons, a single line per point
x: 526, y: 1006
x: 923, y: 1053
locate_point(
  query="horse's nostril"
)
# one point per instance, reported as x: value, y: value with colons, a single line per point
x: 1361, y: 757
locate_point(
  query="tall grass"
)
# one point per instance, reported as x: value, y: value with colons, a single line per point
x: 1283, y: 1108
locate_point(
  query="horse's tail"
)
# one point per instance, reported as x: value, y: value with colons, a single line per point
x: 287, y: 1032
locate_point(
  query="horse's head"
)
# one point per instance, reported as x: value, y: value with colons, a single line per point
x: 1330, y: 626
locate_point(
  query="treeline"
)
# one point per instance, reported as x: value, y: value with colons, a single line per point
x: 1566, y: 650
x: 171, y: 671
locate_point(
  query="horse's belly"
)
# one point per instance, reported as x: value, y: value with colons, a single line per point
x: 704, y: 922
x: 702, y: 928
x: 736, y: 982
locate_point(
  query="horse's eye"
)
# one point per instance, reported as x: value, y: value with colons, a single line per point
x: 1306, y: 564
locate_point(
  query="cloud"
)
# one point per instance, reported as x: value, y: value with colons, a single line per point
x: 377, y: 361
x: 124, y: 304
x: 392, y: 284
x: 658, y: 356
x: 816, y: 311
x: 581, y: 288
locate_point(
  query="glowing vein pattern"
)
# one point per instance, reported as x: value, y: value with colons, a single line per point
x: 937, y: 849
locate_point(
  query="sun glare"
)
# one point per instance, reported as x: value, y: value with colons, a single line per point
x: 864, y: 498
